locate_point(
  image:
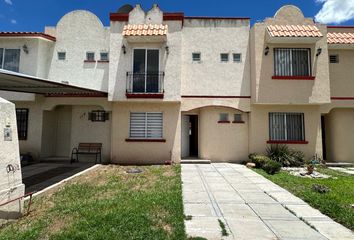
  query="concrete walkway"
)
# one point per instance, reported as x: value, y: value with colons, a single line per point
x: 250, y: 206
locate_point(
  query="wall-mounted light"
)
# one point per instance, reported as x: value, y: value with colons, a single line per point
x: 319, y: 51
x: 167, y: 49
x: 266, y: 51
x: 25, y: 48
x: 124, y: 49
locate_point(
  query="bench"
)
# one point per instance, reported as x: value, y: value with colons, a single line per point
x: 87, y: 148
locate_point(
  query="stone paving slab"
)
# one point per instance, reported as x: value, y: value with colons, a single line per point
x: 207, y: 227
x: 237, y: 210
x: 199, y: 210
x: 272, y: 211
x: 250, y: 229
x: 251, y: 207
x: 293, y: 230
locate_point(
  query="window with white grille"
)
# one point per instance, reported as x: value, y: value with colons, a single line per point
x: 146, y: 125
x: 292, y: 62
x: 286, y: 127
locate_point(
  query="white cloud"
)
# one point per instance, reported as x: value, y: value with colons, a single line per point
x: 8, y: 2
x: 335, y: 11
x: 13, y: 21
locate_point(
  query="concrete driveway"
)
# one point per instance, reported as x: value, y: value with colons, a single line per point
x: 38, y: 176
x: 250, y: 206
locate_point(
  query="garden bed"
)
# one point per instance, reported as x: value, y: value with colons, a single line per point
x: 336, y: 203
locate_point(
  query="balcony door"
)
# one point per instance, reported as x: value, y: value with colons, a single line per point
x: 146, y: 71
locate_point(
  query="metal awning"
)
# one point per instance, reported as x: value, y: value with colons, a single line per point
x: 18, y: 82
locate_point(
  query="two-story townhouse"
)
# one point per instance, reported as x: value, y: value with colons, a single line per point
x: 64, y: 73
x: 289, y: 80
x: 175, y: 84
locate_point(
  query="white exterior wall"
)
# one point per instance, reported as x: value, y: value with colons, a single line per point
x: 11, y: 185
x: 211, y: 37
x: 79, y: 32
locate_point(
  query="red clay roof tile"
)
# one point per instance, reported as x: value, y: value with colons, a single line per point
x: 145, y: 30
x: 340, y: 38
x: 294, y: 31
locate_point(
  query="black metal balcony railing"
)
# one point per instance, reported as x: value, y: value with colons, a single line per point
x: 151, y: 82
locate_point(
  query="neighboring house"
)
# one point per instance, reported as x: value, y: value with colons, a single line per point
x: 155, y: 86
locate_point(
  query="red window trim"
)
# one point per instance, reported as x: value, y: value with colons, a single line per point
x: 89, y: 61
x: 293, y: 77
x: 238, y: 122
x: 145, y: 95
x: 286, y: 142
x: 223, y: 121
x: 144, y: 140
x: 103, y: 61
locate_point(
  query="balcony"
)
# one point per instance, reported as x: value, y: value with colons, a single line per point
x: 145, y: 85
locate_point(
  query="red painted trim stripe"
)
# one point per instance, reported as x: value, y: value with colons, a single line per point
x: 208, y: 96
x: 178, y: 16
x: 103, y: 61
x: 145, y: 95
x: 287, y: 142
x: 342, y: 98
x: 340, y: 26
x: 89, y: 61
x: 293, y: 77
x: 217, y: 18
x: 119, y: 17
x: 145, y: 140
x: 86, y: 95
x: 238, y: 122
x: 27, y: 34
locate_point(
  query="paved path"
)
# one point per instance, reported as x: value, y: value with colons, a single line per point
x: 250, y: 206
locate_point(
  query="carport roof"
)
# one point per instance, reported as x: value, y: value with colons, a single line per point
x: 18, y: 82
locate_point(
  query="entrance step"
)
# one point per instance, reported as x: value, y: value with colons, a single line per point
x: 195, y: 161
x: 339, y: 164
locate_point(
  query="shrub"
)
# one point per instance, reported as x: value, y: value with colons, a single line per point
x: 320, y: 188
x: 258, y: 159
x: 271, y: 167
x: 285, y: 156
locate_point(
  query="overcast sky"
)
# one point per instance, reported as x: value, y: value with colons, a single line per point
x: 33, y: 15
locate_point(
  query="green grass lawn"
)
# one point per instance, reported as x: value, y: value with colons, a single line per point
x: 107, y: 204
x: 336, y: 203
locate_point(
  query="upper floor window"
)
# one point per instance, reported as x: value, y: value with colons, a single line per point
x: 90, y: 56
x: 334, y: 58
x: 10, y: 59
x: 292, y: 62
x: 224, y: 57
x: 237, y: 57
x: 22, y: 123
x: 196, y: 57
x: 104, y: 56
x: 62, y: 56
x: 286, y: 127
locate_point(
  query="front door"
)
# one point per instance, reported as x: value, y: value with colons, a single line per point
x: 146, y: 71
x: 193, y: 136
